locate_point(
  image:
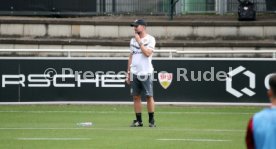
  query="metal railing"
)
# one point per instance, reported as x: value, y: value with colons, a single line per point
x: 131, y: 7
x: 198, y: 6
x: 69, y: 51
x: 149, y: 7
x: 170, y: 52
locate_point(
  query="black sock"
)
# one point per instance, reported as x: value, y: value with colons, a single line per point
x: 139, y: 117
x: 151, y: 117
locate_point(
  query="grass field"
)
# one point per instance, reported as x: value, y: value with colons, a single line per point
x: 178, y: 127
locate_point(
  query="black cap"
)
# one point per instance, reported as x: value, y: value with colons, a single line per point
x: 139, y: 22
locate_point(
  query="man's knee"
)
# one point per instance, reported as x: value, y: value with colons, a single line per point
x: 136, y: 98
x: 149, y: 98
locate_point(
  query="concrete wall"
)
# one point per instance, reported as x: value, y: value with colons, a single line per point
x: 122, y: 31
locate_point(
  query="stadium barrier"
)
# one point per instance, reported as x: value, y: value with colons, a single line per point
x: 170, y: 52
x: 96, y: 79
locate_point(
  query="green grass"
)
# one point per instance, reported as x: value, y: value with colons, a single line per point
x: 111, y: 129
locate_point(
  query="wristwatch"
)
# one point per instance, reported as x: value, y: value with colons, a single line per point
x: 140, y: 43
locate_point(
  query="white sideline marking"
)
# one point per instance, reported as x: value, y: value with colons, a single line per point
x: 195, y: 140
x: 29, y: 128
x: 129, y: 129
x: 131, y: 103
x: 118, y: 112
x: 53, y: 139
x: 205, y: 130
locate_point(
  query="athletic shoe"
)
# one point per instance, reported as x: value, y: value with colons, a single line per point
x: 135, y: 123
x: 152, y: 124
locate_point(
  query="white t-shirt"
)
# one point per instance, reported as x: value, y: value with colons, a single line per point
x: 141, y: 64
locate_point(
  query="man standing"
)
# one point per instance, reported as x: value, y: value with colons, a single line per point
x: 261, y: 130
x: 140, y: 71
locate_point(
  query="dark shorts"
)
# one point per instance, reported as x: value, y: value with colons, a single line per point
x: 141, y: 85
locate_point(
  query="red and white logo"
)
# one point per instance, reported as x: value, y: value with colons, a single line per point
x: 165, y: 79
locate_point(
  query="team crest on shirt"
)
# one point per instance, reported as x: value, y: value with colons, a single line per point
x: 165, y: 79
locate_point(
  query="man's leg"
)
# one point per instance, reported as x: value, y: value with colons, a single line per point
x: 138, y: 107
x: 136, y: 92
x: 151, y: 106
x: 147, y: 85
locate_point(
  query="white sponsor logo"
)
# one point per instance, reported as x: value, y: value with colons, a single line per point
x: 245, y: 90
x: 62, y: 80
